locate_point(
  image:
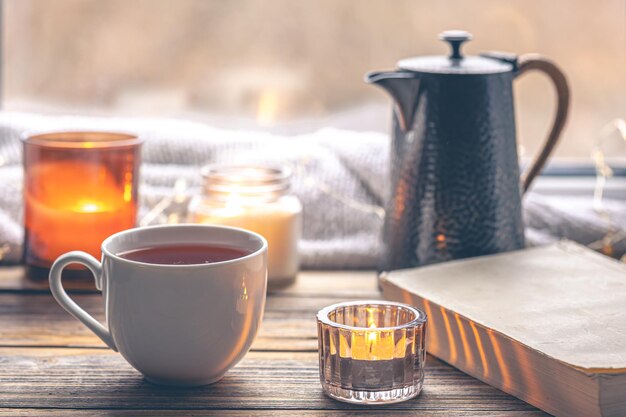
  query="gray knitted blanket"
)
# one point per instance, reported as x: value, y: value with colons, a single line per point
x: 338, y: 175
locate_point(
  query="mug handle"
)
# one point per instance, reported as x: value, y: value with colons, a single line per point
x: 528, y: 62
x: 59, y: 294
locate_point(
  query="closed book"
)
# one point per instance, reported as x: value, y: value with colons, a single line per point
x: 546, y: 324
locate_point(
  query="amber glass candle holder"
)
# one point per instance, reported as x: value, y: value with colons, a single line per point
x: 371, y: 352
x: 79, y: 188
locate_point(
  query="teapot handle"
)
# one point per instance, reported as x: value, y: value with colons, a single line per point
x: 529, y: 62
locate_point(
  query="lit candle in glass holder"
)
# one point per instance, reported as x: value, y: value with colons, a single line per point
x: 79, y: 188
x: 371, y: 352
x: 256, y: 198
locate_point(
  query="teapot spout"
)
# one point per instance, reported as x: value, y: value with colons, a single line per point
x: 403, y: 87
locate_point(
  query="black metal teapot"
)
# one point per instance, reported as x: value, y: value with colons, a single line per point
x: 455, y: 183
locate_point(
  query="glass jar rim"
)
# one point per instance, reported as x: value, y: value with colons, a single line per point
x: 249, y: 179
x: 418, y: 320
x: 237, y: 172
x: 82, y: 139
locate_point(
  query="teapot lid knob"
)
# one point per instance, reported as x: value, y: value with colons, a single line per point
x: 455, y: 38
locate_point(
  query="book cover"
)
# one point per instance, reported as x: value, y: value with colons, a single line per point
x: 546, y: 324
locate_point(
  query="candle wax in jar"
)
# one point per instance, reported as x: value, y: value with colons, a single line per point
x: 372, y: 358
x: 74, y: 206
x: 278, y: 222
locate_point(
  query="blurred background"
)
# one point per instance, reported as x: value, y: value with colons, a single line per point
x: 295, y: 66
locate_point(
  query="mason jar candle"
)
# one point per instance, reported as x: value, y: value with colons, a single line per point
x: 256, y: 198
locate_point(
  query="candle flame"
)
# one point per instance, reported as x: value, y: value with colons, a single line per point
x: 88, y: 208
x: 371, y: 336
x: 233, y: 206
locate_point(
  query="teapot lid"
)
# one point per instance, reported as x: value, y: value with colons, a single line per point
x: 456, y: 63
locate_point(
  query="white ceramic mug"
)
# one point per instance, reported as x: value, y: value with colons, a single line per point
x: 176, y: 324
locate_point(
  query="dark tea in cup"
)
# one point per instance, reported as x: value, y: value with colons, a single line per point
x: 184, y: 254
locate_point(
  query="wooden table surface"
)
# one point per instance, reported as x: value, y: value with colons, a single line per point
x: 51, y: 365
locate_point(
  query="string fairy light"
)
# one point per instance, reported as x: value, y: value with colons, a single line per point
x: 311, y: 181
x: 615, y: 234
x: 4, y: 250
x: 163, y: 207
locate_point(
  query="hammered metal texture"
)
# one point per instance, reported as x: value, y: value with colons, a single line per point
x: 455, y: 186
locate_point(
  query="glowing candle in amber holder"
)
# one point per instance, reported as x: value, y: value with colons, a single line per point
x: 371, y: 352
x: 79, y: 188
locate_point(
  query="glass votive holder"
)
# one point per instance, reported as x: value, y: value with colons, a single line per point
x: 371, y: 352
x: 79, y: 188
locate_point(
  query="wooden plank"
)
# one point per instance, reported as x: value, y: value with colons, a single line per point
x: 280, y: 374
x: 353, y: 284
x: 28, y: 303
x: 275, y: 334
x: 372, y: 411
x: 361, y: 284
x: 101, y: 379
x: 29, y: 316
x: 15, y: 278
x: 28, y: 319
